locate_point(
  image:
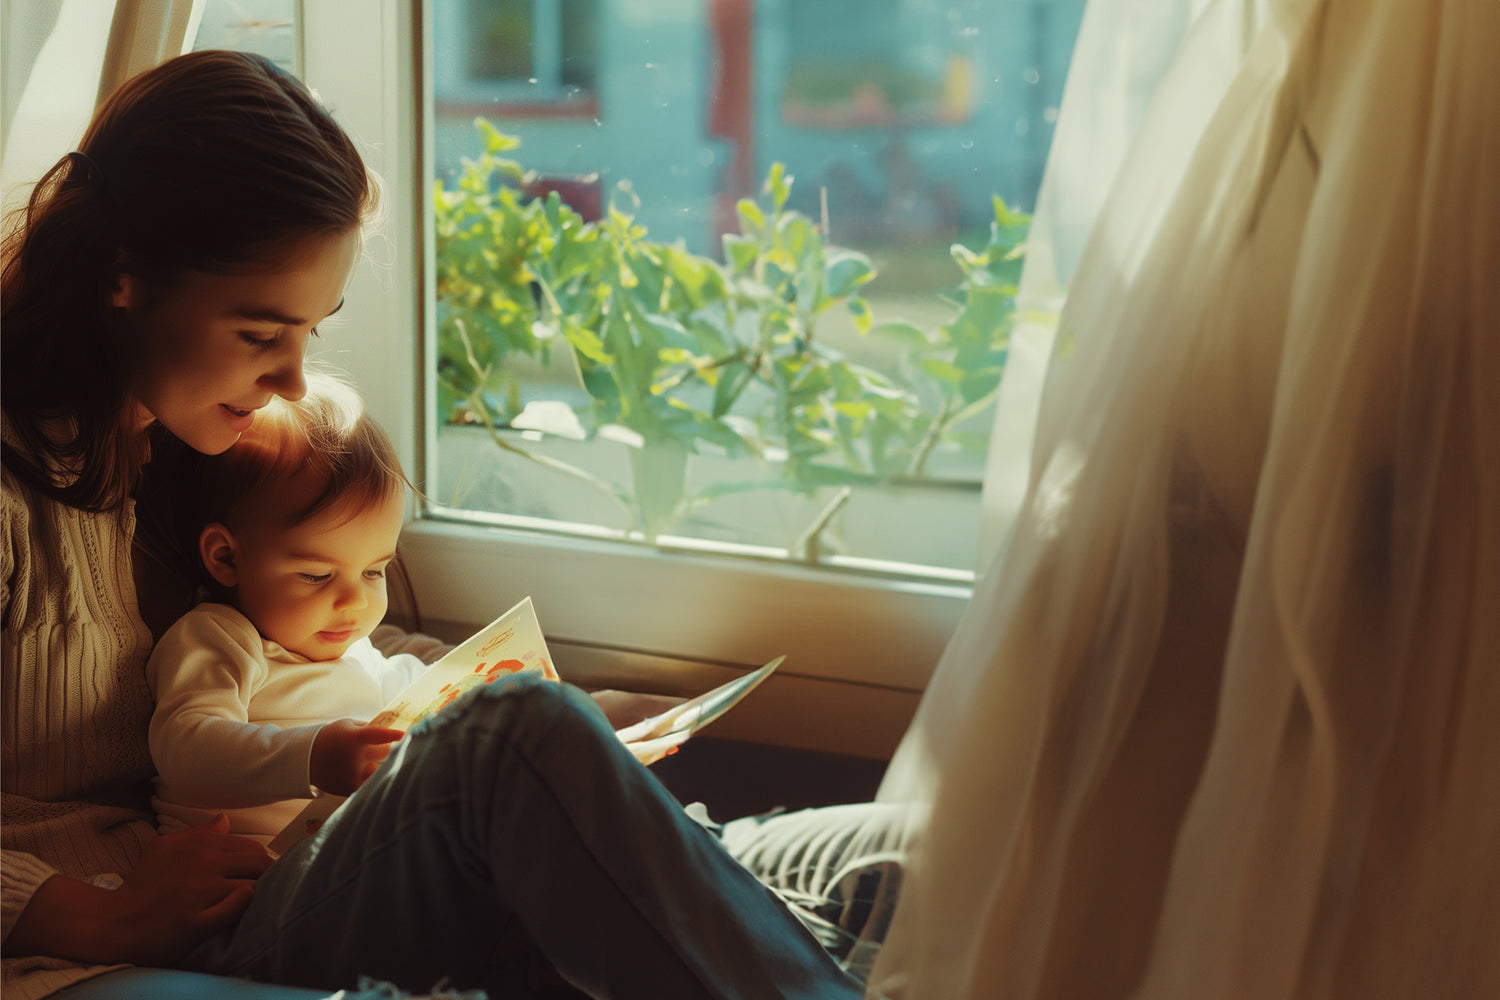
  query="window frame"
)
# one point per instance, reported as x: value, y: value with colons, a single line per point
x: 859, y: 648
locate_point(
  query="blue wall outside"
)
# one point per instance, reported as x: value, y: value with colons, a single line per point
x: 654, y: 86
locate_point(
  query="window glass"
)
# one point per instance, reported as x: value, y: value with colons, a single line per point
x: 500, y: 41
x: 733, y: 275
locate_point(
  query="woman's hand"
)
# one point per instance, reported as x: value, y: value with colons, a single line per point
x: 186, y: 887
x: 650, y: 751
x: 345, y: 754
x: 640, y: 720
x: 625, y: 708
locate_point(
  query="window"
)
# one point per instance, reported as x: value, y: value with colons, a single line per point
x: 729, y: 333
x: 903, y: 65
x: 694, y: 103
x: 533, y: 56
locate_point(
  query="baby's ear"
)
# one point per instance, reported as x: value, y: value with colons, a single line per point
x: 216, y: 547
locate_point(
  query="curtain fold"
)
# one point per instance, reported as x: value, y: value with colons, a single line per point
x: 1134, y: 107
x: 1219, y: 721
x: 27, y: 25
x: 62, y: 59
x: 143, y: 34
x: 1122, y: 53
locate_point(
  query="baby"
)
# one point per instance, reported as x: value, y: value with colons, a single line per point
x: 257, y: 697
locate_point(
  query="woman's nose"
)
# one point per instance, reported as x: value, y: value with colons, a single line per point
x: 287, y: 379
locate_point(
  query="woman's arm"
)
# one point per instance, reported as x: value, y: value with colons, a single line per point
x: 186, y: 887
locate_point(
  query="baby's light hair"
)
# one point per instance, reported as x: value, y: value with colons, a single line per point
x: 327, y: 433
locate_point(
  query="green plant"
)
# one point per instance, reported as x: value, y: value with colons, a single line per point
x: 679, y: 353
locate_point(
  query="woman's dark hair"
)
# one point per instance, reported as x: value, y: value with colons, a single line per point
x: 215, y: 162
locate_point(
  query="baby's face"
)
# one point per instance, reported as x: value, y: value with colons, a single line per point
x: 319, y: 587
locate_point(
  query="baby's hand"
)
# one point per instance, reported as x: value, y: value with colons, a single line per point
x: 345, y: 753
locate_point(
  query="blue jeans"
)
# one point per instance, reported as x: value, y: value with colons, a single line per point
x: 511, y: 844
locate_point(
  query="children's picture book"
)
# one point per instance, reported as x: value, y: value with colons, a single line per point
x: 512, y: 644
x: 673, y: 727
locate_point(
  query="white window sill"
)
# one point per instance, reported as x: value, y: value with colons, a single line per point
x: 859, y: 649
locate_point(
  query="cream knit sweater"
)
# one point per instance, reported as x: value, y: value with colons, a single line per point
x: 74, y: 709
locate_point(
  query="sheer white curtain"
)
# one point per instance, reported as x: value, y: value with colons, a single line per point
x: 1220, y: 719
x: 62, y: 58
x: 1124, y: 52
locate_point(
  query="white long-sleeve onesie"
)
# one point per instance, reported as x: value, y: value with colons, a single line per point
x: 236, y: 715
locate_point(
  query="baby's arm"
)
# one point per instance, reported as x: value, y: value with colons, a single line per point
x: 345, y: 753
x: 203, y: 674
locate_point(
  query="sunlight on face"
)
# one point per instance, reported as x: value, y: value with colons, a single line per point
x: 208, y: 352
x: 318, y: 587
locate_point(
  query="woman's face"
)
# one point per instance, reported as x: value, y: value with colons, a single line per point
x: 212, y: 349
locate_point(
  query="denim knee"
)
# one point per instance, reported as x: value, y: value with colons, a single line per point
x: 520, y: 709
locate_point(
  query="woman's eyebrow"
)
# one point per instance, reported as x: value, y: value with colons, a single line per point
x: 266, y: 314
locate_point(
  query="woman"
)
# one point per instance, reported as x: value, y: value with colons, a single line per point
x: 167, y: 277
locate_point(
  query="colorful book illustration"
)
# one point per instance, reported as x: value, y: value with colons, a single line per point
x: 511, y: 644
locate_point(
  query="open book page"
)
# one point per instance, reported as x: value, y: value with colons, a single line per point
x: 653, y: 736
x: 510, y: 644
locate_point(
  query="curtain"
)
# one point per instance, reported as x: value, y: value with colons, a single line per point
x: 1119, y: 58
x: 27, y: 23
x: 62, y: 59
x: 1220, y: 720
x: 145, y: 33
x: 1123, y: 52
